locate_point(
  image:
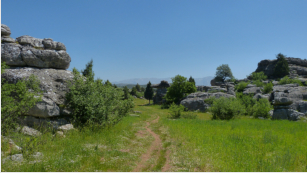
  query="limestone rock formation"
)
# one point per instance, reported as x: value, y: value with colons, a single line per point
x: 45, y: 59
x: 297, y: 67
x: 195, y: 101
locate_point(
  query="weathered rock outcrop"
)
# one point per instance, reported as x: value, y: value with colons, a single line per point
x: 45, y: 59
x: 195, y: 101
x: 297, y: 67
x: 161, y: 92
x: 252, y: 89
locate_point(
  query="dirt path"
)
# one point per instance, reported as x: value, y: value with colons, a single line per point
x: 156, y: 146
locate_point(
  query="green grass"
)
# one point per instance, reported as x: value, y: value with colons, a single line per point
x: 200, y: 144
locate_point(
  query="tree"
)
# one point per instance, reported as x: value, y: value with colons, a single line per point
x: 282, y: 67
x: 17, y: 99
x: 192, y: 80
x: 138, y: 87
x: 115, y: 86
x: 126, y: 93
x: 148, y: 94
x: 133, y: 91
x: 179, y: 88
x: 108, y: 83
x: 222, y: 72
x: 88, y: 71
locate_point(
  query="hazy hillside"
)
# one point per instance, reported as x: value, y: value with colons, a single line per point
x: 144, y: 81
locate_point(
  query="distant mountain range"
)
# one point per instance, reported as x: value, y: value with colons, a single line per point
x: 144, y: 81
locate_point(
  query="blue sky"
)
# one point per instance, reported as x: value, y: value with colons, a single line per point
x: 143, y: 39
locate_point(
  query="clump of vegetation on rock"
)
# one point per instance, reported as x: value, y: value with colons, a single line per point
x: 17, y: 99
x: 226, y: 108
x: 268, y: 88
x: 241, y: 86
x: 282, y: 67
x: 261, y: 108
x: 287, y: 80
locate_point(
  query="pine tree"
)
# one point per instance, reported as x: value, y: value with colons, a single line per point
x: 108, y: 83
x: 192, y: 80
x: 282, y: 67
x: 148, y: 94
x: 126, y: 93
x: 138, y: 87
x: 88, y: 71
x: 133, y: 91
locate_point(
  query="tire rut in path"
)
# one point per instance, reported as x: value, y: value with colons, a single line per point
x: 155, y: 146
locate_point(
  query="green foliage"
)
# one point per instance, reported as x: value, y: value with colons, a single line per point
x: 192, y: 80
x: 247, y: 101
x: 258, y: 83
x: 126, y: 93
x: 180, y: 88
x: 223, y: 72
x: 148, y: 94
x: 268, y: 88
x: 215, y: 91
x: 108, y: 83
x: 88, y: 71
x: 281, y: 68
x: 138, y: 87
x: 175, y: 111
x: 210, y: 100
x: 287, y: 80
x: 115, y: 86
x: 241, y: 86
x: 261, y: 108
x: 17, y: 99
x: 94, y: 102
x: 226, y: 108
x: 133, y: 91
x: 258, y: 76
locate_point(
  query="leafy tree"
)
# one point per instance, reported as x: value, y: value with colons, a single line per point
x: 133, y: 91
x: 108, y: 83
x: 138, y: 87
x: 148, y: 94
x: 282, y: 67
x: 180, y: 88
x: 222, y: 72
x: 88, y: 71
x: 142, y: 89
x: 17, y: 99
x: 192, y: 80
x: 115, y: 86
x: 94, y: 102
x: 126, y: 93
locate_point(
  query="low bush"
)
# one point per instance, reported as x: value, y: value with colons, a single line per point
x: 257, y: 76
x: 94, y: 102
x: 189, y: 115
x: 226, y: 108
x: 241, y: 86
x: 268, y: 88
x: 287, y: 80
x: 261, y: 108
x: 175, y: 110
x: 247, y: 101
x: 209, y: 100
x: 258, y: 83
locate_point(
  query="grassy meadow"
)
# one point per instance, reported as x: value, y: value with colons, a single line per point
x: 200, y: 144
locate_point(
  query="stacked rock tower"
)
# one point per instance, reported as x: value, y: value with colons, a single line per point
x: 44, y: 58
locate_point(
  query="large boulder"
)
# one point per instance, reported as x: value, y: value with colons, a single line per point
x: 195, y: 101
x: 5, y: 31
x: 252, y: 89
x: 52, y: 81
x: 287, y: 114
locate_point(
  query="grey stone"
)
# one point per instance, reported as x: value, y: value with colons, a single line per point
x: 51, y: 123
x: 50, y: 44
x: 294, y: 115
x: 44, y: 108
x: 251, y: 89
x: 30, y: 41
x: 5, y: 30
x: 7, y: 39
x: 302, y: 106
x: 30, y: 131
x: 260, y: 96
x: 11, y: 142
x: 66, y: 127
x: 60, y: 133
x: 14, y: 158
x: 11, y: 54
x: 280, y: 114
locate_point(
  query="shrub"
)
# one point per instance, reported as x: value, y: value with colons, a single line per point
x: 258, y: 83
x: 133, y: 91
x: 261, y: 108
x: 226, y: 108
x: 17, y: 99
x: 287, y: 80
x: 223, y: 72
x: 189, y: 115
x: 94, y: 102
x: 247, y: 101
x: 258, y: 76
x: 175, y: 110
x: 180, y: 88
x: 241, y: 86
x: 281, y: 68
x: 210, y: 100
x: 268, y: 88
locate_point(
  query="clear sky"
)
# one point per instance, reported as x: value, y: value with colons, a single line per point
x: 142, y: 39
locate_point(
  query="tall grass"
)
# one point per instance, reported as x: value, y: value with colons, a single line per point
x: 239, y: 145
